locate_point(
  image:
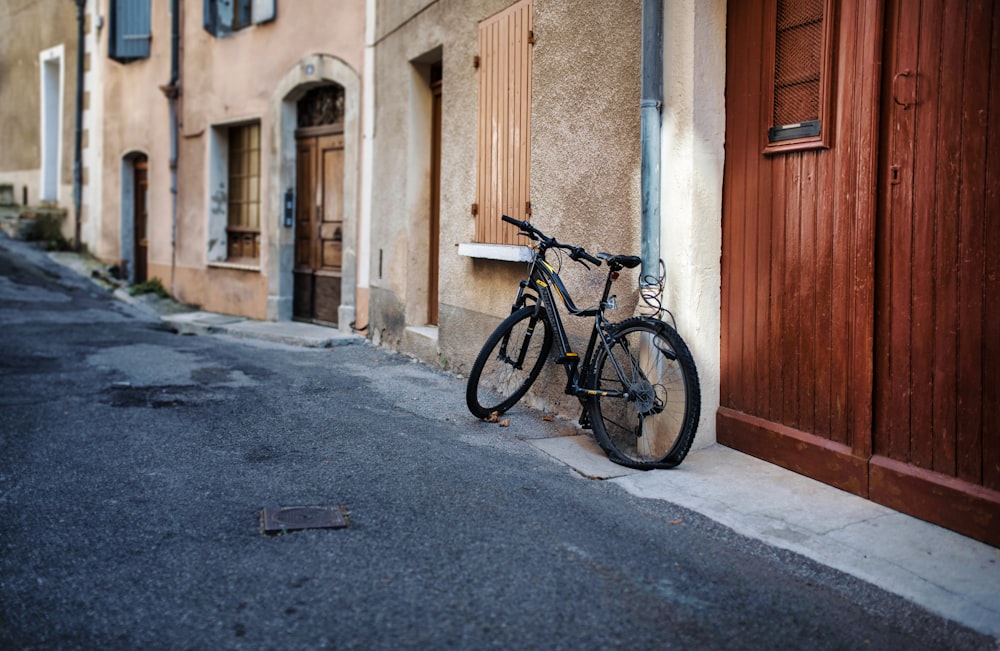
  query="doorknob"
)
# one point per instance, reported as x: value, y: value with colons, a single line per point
x: 895, y: 94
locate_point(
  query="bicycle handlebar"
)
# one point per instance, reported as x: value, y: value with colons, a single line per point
x: 576, y: 252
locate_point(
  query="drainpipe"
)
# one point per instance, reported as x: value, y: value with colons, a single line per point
x: 651, y: 102
x: 78, y: 136
x: 172, y: 91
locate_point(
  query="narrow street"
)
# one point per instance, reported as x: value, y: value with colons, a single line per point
x: 134, y: 463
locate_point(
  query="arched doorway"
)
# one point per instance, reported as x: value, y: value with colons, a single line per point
x: 319, y: 209
x: 314, y: 71
x: 134, y: 242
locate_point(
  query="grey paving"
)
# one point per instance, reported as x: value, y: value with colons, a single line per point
x: 947, y: 573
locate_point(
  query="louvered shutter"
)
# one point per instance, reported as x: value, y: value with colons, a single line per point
x: 129, y: 38
x: 504, y: 126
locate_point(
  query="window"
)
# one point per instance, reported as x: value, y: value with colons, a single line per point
x: 800, y: 83
x: 129, y: 30
x: 222, y: 17
x: 504, y: 121
x: 243, y: 202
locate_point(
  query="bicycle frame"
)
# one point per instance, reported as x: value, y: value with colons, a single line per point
x: 546, y: 284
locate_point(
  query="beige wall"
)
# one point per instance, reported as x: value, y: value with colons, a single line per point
x: 694, y: 122
x: 223, y: 81
x: 28, y: 27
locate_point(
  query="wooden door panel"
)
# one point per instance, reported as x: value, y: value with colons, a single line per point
x: 304, y: 200
x: 319, y: 228
x: 935, y: 436
x: 141, y: 218
x: 791, y: 247
x: 933, y: 323
x: 331, y: 202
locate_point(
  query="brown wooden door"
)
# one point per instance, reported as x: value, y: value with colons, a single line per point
x: 433, y: 253
x: 937, y: 357
x: 796, y: 261
x: 140, y: 212
x: 319, y: 227
x: 861, y: 281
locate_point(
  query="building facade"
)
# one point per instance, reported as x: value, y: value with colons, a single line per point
x: 231, y: 147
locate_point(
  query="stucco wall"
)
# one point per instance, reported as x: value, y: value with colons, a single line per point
x: 27, y: 27
x: 694, y: 121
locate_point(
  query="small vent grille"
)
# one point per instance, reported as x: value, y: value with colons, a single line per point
x: 798, y: 61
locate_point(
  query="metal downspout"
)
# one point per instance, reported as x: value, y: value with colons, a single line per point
x: 172, y: 91
x: 651, y: 103
x: 78, y: 136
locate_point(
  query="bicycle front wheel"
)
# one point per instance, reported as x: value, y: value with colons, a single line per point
x: 509, y: 362
x: 650, y: 415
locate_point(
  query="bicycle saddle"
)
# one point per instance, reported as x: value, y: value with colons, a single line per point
x: 620, y: 261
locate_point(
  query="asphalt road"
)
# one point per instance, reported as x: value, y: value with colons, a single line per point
x: 134, y: 463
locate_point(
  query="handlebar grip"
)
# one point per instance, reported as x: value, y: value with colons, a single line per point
x: 591, y: 259
x: 524, y: 226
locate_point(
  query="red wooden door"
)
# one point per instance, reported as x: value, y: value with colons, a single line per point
x: 797, y: 254
x: 937, y: 355
x: 861, y: 280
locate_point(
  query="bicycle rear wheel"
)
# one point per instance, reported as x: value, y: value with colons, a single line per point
x: 652, y: 420
x: 509, y: 362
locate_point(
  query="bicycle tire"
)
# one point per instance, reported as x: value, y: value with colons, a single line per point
x: 496, y: 382
x: 654, y: 426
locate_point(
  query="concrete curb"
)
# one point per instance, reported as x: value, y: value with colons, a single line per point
x: 284, y: 332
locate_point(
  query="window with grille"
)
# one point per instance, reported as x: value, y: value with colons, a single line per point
x: 800, y: 83
x: 243, y: 203
x: 503, y: 148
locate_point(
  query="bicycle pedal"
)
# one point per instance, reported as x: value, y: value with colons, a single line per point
x: 569, y: 358
x: 585, y: 420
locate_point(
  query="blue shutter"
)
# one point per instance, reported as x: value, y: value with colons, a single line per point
x: 130, y: 21
x: 217, y: 17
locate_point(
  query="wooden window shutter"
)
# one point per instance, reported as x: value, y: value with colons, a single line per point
x: 801, y: 59
x: 504, y: 127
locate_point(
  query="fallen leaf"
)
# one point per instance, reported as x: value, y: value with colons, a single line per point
x: 675, y: 522
x: 505, y: 422
x: 548, y: 418
x: 493, y: 417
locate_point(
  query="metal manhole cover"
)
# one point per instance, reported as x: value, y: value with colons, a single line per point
x: 291, y: 518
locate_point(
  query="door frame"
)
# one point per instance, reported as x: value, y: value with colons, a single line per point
x: 127, y: 216
x: 310, y: 71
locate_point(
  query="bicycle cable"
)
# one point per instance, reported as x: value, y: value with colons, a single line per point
x: 651, y: 292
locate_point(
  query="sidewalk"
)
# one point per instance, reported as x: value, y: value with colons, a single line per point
x: 942, y: 571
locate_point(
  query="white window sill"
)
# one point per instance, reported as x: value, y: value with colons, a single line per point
x: 508, y: 252
x: 235, y: 265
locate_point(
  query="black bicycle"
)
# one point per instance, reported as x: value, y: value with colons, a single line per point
x: 637, y: 380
